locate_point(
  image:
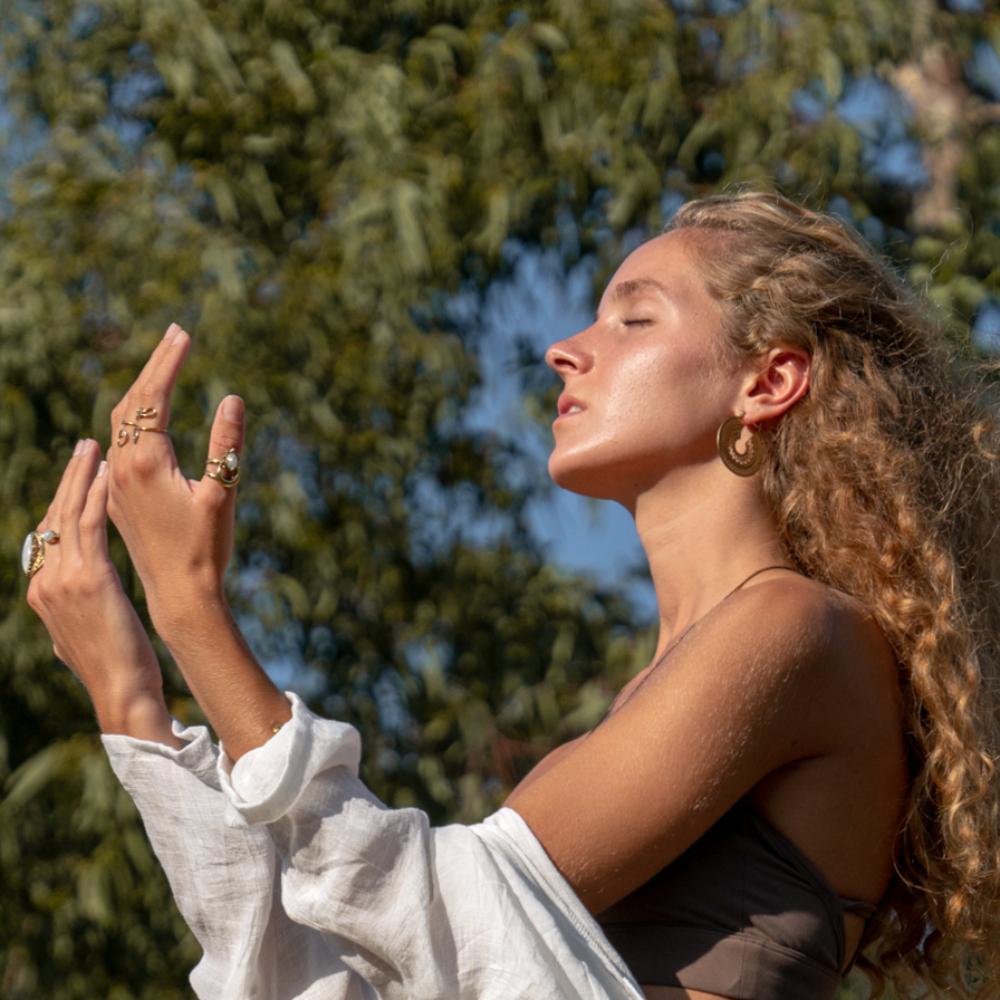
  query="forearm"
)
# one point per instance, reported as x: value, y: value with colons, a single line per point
x: 240, y: 701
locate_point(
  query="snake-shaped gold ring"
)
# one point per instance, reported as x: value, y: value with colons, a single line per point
x: 142, y: 413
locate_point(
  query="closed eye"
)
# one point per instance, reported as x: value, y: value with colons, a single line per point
x: 637, y: 322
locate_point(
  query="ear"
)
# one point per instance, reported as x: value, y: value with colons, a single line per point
x: 777, y: 386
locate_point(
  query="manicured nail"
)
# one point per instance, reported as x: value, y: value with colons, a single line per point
x: 78, y: 449
x: 171, y: 330
x: 232, y: 408
x: 102, y: 469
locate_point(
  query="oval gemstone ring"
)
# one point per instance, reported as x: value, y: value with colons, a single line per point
x: 227, y: 469
x: 33, y: 549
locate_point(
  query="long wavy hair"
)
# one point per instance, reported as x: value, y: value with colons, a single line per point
x: 884, y: 480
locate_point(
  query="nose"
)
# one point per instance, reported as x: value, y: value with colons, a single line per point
x: 568, y: 355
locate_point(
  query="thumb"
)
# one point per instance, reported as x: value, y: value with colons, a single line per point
x: 225, y: 447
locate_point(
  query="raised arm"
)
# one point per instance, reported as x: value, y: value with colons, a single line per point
x: 460, y: 912
x: 75, y: 590
x: 179, y: 534
x: 222, y: 876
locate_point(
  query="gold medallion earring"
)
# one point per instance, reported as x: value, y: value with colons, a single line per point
x: 743, y: 462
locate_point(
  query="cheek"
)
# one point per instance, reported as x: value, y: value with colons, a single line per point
x: 649, y: 402
x: 654, y: 386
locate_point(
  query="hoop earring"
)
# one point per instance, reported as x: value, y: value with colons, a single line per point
x: 745, y: 462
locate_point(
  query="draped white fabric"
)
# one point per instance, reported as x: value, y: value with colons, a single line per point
x: 299, y: 883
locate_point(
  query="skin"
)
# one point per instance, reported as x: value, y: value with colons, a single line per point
x: 79, y: 589
x: 743, y: 708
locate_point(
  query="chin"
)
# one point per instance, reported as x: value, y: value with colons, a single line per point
x: 588, y: 481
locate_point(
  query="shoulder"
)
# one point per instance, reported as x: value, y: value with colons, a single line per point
x: 764, y: 668
x: 788, y: 642
x: 789, y: 620
x: 815, y: 645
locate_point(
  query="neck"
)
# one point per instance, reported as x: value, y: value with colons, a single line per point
x: 704, y: 530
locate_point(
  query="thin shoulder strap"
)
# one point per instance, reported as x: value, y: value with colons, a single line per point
x: 717, y: 603
x: 697, y: 621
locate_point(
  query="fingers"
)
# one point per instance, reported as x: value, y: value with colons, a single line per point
x: 76, y: 484
x: 227, y: 434
x: 55, y: 507
x: 154, y: 359
x: 155, y: 384
x: 160, y: 371
x: 94, y: 517
x: 53, y: 516
x: 64, y: 512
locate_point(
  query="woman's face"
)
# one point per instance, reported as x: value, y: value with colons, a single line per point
x: 646, y: 376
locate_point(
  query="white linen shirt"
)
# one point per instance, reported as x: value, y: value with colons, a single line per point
x: 299, y: 883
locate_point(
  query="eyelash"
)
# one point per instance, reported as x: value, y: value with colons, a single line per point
x: 637, y: 322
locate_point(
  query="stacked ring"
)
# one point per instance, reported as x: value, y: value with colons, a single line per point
x: 227, y: 469
x: 142, y: 413
x: 33, y: 549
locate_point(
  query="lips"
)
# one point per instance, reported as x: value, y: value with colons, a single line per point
x: 568, y: 405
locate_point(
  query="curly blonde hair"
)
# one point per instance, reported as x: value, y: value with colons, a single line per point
x: 885, y: 483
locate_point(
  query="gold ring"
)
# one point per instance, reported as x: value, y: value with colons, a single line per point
x: 33, y: 549
x: 142, y: 413
x: 227, y: 469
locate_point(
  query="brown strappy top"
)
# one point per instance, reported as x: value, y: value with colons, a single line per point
x: 743, y: 912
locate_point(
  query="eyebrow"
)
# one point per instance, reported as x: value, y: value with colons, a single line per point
x: 636, y: 286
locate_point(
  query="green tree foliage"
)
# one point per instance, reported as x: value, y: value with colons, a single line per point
x: 305, y: 186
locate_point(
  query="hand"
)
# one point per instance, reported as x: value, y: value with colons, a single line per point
x: 179, y: 531
x: 78, y: 595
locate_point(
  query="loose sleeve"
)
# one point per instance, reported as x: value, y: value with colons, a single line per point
x: 225, y: 879
x: 457, y: 912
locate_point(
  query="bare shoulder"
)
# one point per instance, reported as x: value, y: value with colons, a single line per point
x: 835, y: 627
x: 788, y: 629
x: 804, y: 626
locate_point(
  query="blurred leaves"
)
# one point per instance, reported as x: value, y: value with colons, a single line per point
x: 304, y: 187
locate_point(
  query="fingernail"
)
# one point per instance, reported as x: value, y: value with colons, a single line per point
x: 102, y: 469
x: 171, y: 330
x: 78, y: 448
x: 232, y: 408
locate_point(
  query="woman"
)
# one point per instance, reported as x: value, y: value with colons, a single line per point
x: 807, y: 765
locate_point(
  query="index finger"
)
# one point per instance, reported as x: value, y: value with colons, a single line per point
x: 155, y: 383
x: 154, y: 359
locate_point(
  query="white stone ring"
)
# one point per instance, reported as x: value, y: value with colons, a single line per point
x: 33, y: 550
x: 227, y: 469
